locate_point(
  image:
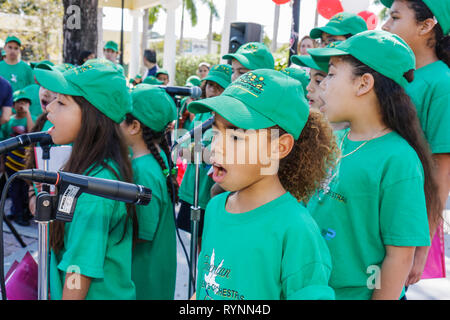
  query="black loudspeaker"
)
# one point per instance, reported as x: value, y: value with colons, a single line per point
x: 244, y: 32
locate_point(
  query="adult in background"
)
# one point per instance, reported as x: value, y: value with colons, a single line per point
x: 18, y: 73
x: 150, y: 63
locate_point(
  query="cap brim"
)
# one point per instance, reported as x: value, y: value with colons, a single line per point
x: 53, y: 80
x: 387, y: 3
x: 242, y: 59
x: 305, y: 61
x: 317, y: 32
x: 322, y: 56
x: 221, y: 82
x: 233, y: 110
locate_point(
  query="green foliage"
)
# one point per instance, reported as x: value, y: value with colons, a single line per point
x: 187, y: 66
x: 42, y: 29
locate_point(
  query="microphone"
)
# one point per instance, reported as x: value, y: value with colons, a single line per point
x: 193, y: 92
x: 200, y: 129
x: 110, y: 189
x: 25, y: 139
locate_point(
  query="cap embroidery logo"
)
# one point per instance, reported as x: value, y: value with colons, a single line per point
x: 338, y: 18
x: 251, y: 83
x: 82, y: 68
x: 251, y: 48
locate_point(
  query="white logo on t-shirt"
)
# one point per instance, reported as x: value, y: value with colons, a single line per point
x: 210, y: 278
x: 13, y: 78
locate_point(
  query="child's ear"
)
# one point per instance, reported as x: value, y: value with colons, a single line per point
x: 365, y: 85
x: 284, y: 146
x: 135, y: 128
x: 426, y: 26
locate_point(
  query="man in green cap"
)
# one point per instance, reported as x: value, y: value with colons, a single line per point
x: 111, y: 52
x: 250, y: 56
x: 18, y: 73
x: 341, y: 26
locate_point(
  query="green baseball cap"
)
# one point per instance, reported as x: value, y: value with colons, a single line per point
x: 99, y: 81
x: 300, y: 75
x: 152, y: 80
x: 21, y: 95
x: 440, y: 9
x: 341, y: 24
x: 34, y: 64
x: 112, y: 45
x: 382, y: 51
x: 193, y: 81
x: 64, y: 67
x: 253, y: 55
x: 153, y: 106
x: 220, y: 74
x: 161, y: 71
x: 13, y: 38
x: 260, y: 99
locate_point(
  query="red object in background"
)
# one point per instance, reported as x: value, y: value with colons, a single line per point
x: 281, y: 1
x: 370, y: 18
x: 328, y: 8
x: 181, y: 170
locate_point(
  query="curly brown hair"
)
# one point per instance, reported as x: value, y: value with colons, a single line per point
x: 313, y: 155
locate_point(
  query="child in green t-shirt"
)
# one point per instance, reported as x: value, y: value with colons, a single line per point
x: 425, y: 26
x: 91, y: 255
x: 373, y: 208
x: 269, y: 152
x: 20, y: 123
x: 155, y: 253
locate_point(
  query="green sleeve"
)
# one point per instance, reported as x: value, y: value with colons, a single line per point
x: 306, y: 264
x: 403, y: 214
x: 438, y: 124
x: 148, y: 216
x: 87, y: 237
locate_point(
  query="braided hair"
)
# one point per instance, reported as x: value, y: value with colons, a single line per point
x: 151, y: 137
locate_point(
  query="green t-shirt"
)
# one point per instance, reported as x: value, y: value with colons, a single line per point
x: 430, y: 92
x: 93, y: 247
x: 155, y: 260
x: 186, y: 191
x: 375, y: 199
x: 270, y: 253
x: 19, y: 75
x: 13, y: 127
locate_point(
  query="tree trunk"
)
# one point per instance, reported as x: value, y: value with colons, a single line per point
x: 79, y: 28
x: 210, y: 33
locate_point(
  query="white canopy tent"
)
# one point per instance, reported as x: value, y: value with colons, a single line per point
x: 136, y: 8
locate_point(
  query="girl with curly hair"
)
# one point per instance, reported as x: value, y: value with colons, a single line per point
x: 269, y: 153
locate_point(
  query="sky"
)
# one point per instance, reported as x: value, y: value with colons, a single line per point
x: 257, y: 11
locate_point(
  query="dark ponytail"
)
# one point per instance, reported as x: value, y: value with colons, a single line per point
x: 441, y: 42
x: 400, y: 115
x: 151, y: 137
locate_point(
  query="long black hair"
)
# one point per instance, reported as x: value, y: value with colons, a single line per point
x: 400, y: 115
x: 99, y: 140
x: 151, y: 137
x: 440, y: 42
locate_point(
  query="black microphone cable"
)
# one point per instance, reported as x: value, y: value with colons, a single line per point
x: 191, y: 275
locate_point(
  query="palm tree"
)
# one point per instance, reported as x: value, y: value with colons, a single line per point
x: 190, y: 6
x: 212, y: 14
x: 192, y: 10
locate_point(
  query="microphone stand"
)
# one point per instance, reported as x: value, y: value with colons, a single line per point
x: 43, y: 217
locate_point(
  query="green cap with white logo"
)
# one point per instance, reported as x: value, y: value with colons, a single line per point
x: 260, y: 99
